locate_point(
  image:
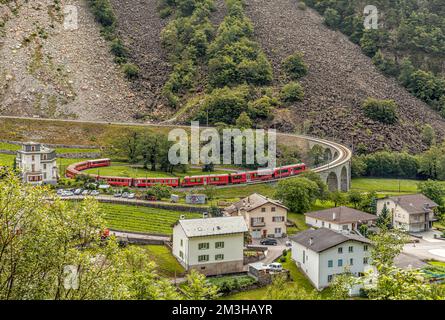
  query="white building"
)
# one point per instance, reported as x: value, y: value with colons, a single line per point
x: 212, y: 246
x: 339, y: 219
x: 323, y: 253
x: 412, y: 212
x: 37, y: 164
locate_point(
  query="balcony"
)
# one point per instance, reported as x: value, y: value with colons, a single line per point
x: 257, y: 223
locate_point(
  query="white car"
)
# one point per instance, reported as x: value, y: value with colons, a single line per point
x: 125, y: 195
x: 67, y: 194
x: 77, y: 192
x: 275, y: 267
x: 131, y: 196
x: 94, y: 193
x: 85, y: 192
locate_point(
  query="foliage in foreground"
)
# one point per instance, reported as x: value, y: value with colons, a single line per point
x: 44, y: 240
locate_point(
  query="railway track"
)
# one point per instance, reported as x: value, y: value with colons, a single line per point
x: 344, y: 154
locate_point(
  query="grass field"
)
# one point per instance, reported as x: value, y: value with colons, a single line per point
x: 142, y: 219
x: 382, y: 185
x: 125, y: 170
x: 6, y: 159
x: 166, y: 263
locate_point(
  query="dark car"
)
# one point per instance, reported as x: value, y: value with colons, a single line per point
x: 269, y: 242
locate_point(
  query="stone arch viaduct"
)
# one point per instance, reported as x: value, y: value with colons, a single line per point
x: 336, y: 167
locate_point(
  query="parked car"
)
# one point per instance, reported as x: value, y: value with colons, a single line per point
x: 94, y: 193
x: 288, y: 243
x: 269, y: 242
x: 275, y: 267
x: 60, y: 191
x: 77, y: 192
x: 117, y: 195
x: 67, y: 194
x: 125, y: 195
x: 85, y: 192
x: 131, y: 196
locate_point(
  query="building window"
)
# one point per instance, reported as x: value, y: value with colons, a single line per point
x: 322, y: 224
x: 340, y: 263
x: 278, y: 219
x: 277, y: 230
x: 351, y: 249
x: 263, y: 209
x: 329, y: 226
x: 44, y: 166
x: 273, y: 209
x: 44, y: 175
x: 219, y: 245
x: 203, y: 258
x: 203, y: 246
x: 365, y: 260
x: 351, y: 262
x: 345, y: 227
x: 182, y: 242
x: 219, y: 257
x: 181, y: 254
x: 330, y: 263
x: 340, y: 250
x: 330, y: 277
x: 365, y: 247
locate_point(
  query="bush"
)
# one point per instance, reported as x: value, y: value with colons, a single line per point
x: 262, y: 108
x: 118, y: 48
x: 332, y: 18
x: 295, y: 66
x: 224, y: 105
x: 301, y: 5
x: 131, y: 70
x: 384, y: 111
x: 292, y: 92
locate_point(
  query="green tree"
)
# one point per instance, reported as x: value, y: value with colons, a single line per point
x: 338, y: 198
x: 243, y: 121
x: 332, y: 18
x: 384, y: 111
x: 355, y: 197
x: 342, y: 285
x: 295, y: 66
x: 292, y: 92
x: 298, y: 194
x: 428, y: 135
x: 198, y: 288
x: 323, y: 192
x: 384, y: 219
x: 434, y: 190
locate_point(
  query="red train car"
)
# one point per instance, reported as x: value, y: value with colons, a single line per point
x: 99, y: 163
x: 116, y: 181
x: 217, y: 179
x: 193, y: 181
x: 71, y: 172
x: 298, y: 168
x: 82, y: 165
x: 148, y: 182
x: 240, y: 177
x: 260, y: 175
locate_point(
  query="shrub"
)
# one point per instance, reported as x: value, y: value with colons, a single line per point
x: 131, y: 70
x: 332, y: 18
x: 384, y: 111
x: 301, y: 5
x: 118, y: 48
x: 295, y: 66
x: 262, y: 107
x: 292, y: 92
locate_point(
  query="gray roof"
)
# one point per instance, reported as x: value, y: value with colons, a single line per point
x: 251, y: 202
x: 341, y: 215
x: 322, y: 239
x: 414, y: 203
x: 213, y: 226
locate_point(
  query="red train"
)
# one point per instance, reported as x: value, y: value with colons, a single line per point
x: 188, y: 181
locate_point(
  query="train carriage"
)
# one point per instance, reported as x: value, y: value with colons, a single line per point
x: 116, y: 181
x: 220, y: 179
x: 99, y: 163
x: 240, y: 177
x: 260, y: 175
x: 148, y: 182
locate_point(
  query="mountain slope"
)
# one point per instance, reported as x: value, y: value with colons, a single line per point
x: 340, y: 78
x: 47, y: 71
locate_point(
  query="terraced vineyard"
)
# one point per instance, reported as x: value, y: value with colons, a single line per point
x: 142, y: 219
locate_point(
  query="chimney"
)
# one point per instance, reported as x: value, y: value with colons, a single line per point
x: 426, y: 206
x: 311, y: 241
x: 181, y: 217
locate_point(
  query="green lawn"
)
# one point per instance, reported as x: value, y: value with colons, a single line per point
x: 15, y: 147
x: 6, y: 159
x: 142, y: 219
x: 166, y: 263
x: 385, y: 185
x: 119, y: 169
